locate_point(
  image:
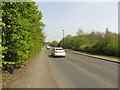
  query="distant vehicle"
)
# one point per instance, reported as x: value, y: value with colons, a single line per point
x: 48, y: 47
x: 58, y: 51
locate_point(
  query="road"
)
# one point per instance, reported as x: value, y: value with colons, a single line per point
x: 73, y: 71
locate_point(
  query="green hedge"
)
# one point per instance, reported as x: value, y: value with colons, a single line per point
x: 106, y: 43
x: 22, y: 32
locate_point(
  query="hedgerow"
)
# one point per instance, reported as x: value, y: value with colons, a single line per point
x: 22, y: 33
x: 106, y: 43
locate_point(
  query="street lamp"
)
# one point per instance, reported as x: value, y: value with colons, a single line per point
x: 63, y: 38
x: 54, y: 40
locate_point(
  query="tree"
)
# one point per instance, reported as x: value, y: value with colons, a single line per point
x: 106, y: 43
x: 54, y: 43
x: 80, y: 31
x: 67, y: 42
x: 22, y: 35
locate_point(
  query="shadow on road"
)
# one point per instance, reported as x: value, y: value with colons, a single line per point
x: 51, y: 56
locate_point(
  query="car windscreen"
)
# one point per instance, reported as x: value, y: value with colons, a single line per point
x: 59, y: 49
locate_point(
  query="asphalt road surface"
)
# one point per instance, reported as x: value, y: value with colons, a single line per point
x: 73, y: 71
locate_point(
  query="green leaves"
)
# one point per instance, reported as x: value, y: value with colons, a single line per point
x: 22, y: 32
x: 95, y: 42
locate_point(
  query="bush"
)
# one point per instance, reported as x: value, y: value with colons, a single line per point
x: 95, y: 42
x: 22, y: 35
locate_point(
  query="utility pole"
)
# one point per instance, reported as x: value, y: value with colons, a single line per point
x: 54, y: 40
x: 63, y: 38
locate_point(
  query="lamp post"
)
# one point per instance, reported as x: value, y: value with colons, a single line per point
x: 54, y: 40
x: 63, y: 38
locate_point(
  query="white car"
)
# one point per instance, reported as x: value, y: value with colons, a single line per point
x: 48, y: 47
x: 58, y: 51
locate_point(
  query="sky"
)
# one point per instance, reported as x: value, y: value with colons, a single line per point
x: 70, y: 16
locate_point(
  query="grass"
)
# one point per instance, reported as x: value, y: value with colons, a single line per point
x: 5, y: 76
x: 112, y: 57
